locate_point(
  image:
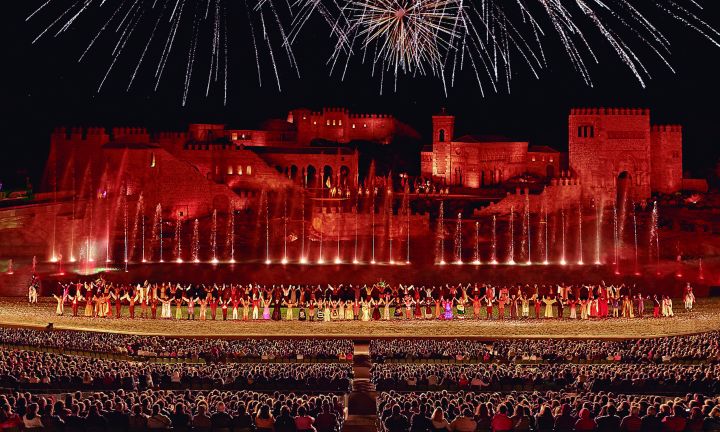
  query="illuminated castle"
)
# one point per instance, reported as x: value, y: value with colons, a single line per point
x: 609, y: 148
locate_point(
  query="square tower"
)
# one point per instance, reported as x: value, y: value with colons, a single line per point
x: 443, y: 132
x: 666, y: 168
x: 609, y: 151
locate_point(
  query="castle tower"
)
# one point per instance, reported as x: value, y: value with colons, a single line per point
x: 443, y: 133
x: 666, y: 151
x: 609, y: 151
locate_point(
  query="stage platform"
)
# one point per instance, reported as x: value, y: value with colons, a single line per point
x: 706, y: 317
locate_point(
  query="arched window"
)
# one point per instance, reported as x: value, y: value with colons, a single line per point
x: 230, y: 170
x: 152, y: 160
x: 248, y: 170
x: 239, y: 169
x: 441, y: 135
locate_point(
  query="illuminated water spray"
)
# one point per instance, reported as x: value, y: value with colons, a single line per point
x: 458, y: 239
x: 635, y: 238
x: 598, y: 232
x: 580, y: 239
x: 125, y: 219
x: 284, y: 258
x: 528, y: 234
x: 355, y: 254
x: 493, y: 248
x: 547, y: 246
x: 616, y: 246
x: 142, y: 222
x: 72, y: 226
x: 562, y: 234
x: 701, y: 274
x: 476, y: 261
x: 136, y: 227
x: 407, y: 214
x: 195, y: 250
x: 157, y: 225
x: 655, y: 235
x: 178, y: 239
x: 389, y: 214
x: 231, y: 235
x: 267, y: 230
x: 441, y: 232
x: 213, y: 237
x: 372, y: 211
x: 303, y: 259
x: 107, y: 236
x: 511, y: 245
x: 338, y: 260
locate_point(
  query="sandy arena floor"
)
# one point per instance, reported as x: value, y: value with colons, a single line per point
x: 705, y: 317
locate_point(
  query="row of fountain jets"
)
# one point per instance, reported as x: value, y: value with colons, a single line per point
x: 132, y: 231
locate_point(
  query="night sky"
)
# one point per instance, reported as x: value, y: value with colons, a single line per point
x: 44, y: 86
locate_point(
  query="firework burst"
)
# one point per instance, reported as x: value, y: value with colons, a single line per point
x: 491, y: 37
x: 146, y: 32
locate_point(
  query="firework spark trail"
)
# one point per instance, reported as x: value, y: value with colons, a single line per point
x: 191, y: 54
x: 162, y: 23
x: 147, y: 45
x: 42, y: 6
x: 116, y: 53
x: 102, y: 29
x: 72, y: 19
x: 270, y: 51
x: 414, y: 38
x: 225, y: 53
x: 254, y: 43
x: 438, y: 37
x: 214, y: 59
x: 169, y: 42
x: 52, y: 24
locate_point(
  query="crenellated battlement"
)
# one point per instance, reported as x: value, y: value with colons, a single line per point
x: 610, y: 111
x: 666, y: 128
x: 334, y: 110
x: 77, y: 133
x: 371, y: 116
x: 125, y: 131
x: 170, y: 135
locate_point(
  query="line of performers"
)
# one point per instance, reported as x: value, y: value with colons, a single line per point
x: 354, y: 302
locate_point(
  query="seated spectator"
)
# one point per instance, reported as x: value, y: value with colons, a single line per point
x: 264, y: 422
x: 158, y: 420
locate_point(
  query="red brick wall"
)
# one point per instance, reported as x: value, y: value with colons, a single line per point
x: 604, y: 142
x: 666, y: 154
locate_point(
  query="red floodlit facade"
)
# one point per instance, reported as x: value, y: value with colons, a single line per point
x: 607, y: 147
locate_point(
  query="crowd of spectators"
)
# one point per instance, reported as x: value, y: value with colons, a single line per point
x: 545, y: 412
x: 703, y: 347
x: 38, y: 371
x: 203, y: 411
x: 627, y: 378
x: 210, y: 349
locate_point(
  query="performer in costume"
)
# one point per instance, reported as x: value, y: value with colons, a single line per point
x: 266, y: 309
x: 689, y: 297
x: 365, y: 310
x: 525, y: 301
x: 488, y: 300
x: 60, y: 309
x: 203, y: 306
x: 153, y: 304
x: 573, y: 309
x: 213, y: 306
x: 656, y: 307
x: 276, y: 313
x: 375, y: 310
x: 549, y: 302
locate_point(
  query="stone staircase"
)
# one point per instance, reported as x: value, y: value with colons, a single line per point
x: 362, y: 402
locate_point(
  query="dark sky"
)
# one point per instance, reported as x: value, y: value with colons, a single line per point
x: 44, y: 86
